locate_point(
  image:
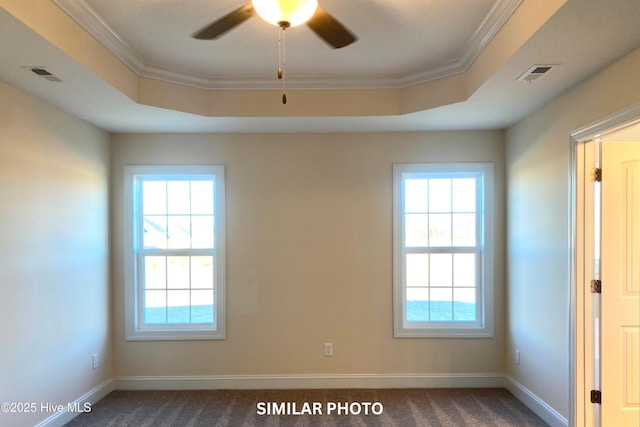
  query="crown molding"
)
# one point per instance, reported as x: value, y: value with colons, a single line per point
x: 491, y: 24
x: 199, y: 82
x: 90, y: 20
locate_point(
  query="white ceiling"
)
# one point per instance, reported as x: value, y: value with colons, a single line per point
x: 401, y: 42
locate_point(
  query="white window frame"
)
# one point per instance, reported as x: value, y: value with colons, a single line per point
x: 484, y: 327
x: 134, y: 329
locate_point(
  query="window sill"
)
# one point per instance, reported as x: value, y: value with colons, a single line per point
x: 174, y: 335
x: 431, y: 332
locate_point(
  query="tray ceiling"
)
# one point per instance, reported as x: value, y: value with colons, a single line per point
x: 131, y: 65
x: 401, y: 43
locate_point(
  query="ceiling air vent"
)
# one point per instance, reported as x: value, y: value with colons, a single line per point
x: 45, y: 74
x: 536, y: 72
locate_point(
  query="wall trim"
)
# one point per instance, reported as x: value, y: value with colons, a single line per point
x: 533, y: 402
x: 308, y: 381
x: 59, y: 419
x: 617, y: 120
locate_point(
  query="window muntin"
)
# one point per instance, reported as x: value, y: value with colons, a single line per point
x: 176, y: 252
x: 443, y: 277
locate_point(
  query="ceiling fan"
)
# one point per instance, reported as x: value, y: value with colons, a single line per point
x: 285, y: 14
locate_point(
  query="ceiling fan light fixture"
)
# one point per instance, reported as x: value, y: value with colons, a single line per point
x: 291, y: 12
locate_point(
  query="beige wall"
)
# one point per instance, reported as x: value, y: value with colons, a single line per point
x: 54, y: 255
x: 537, y: 159
x: 308, y: 255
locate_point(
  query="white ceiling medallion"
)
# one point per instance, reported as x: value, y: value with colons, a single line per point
x: 91, y: 21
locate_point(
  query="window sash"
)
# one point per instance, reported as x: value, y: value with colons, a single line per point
x: 142, y: 288
x: 478, y: 208
x: 140, y: 215
x: 441, y: 324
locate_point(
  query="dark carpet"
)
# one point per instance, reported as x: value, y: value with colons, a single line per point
x: 494, y: 407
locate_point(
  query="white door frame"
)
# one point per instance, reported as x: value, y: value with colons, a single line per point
x: 579, y: 329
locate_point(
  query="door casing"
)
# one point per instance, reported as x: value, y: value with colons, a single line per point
x: 580, y: 327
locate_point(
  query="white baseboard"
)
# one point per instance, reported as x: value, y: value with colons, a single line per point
x: 60, y: 418
x: 533, y: 402
x: 311, y: 381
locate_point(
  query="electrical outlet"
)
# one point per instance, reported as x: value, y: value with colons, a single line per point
x: 517, y: 356
x: 95, y: 360
x: 328, y: 349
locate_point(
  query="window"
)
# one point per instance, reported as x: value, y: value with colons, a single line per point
x: 174, y: 265
x: 443, y: 250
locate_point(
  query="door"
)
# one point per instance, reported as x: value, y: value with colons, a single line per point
x: 620, y: 275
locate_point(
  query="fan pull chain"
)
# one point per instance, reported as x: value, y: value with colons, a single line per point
x: 282, y: 69
x: 280, y: 31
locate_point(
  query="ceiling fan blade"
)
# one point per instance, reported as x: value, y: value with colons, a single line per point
x: 330, y: 29
x: 224, y: 24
